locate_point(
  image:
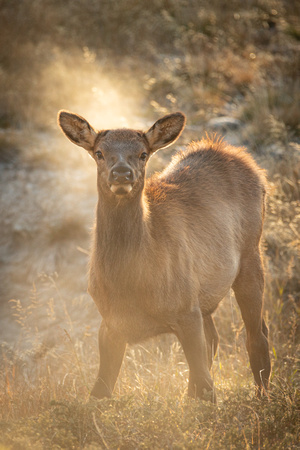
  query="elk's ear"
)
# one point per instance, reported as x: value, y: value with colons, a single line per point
x: 77, y: 129
x: 165, y: 131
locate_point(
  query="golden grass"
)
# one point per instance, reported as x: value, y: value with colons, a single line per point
x: 149, y: 409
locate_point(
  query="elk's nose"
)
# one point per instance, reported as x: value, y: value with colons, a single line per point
x: 121, y: 174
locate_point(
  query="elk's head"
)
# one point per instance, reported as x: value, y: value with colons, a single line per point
x: 121, y: 155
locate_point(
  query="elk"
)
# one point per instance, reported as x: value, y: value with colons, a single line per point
x: 167, y: 249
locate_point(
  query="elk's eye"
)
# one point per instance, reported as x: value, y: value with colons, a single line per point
x: 144, y: 156
x: 99, y: 155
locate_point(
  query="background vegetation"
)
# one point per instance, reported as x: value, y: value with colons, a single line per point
x: 232, y: 67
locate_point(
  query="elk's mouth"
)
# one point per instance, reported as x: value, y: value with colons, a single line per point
x: 121, y: 189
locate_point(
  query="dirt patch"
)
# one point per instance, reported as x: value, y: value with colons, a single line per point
x: 47, y: 209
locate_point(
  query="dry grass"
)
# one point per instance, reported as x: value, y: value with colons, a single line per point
x: 44, y: 390
x: 125, y: 65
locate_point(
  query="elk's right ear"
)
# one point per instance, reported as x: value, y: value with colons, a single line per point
x: 77, y: 129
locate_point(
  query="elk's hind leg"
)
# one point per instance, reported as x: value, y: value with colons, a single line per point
x: 212, y: 338
x: 248, y: 288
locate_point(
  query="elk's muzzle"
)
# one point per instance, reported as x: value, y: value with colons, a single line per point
x: 121, y: 180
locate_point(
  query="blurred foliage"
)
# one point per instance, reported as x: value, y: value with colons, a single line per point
x: 194, y: 55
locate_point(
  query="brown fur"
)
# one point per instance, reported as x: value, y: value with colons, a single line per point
x: 167, y: 251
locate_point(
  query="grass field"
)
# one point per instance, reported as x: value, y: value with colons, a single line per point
x: 126, y: 63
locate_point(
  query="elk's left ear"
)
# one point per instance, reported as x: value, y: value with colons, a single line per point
x: 165, y: 131
x: 77, y: 129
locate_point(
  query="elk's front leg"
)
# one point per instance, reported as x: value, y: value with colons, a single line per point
x: 190, y: 333
x: 111, y: 349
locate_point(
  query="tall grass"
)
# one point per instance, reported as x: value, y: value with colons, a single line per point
x: 45, y: 392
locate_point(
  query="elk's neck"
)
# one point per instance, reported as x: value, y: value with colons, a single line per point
x: 120, y: 253
x: 122, y: 230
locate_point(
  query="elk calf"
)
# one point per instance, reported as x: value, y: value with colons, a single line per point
x: 168, y: 249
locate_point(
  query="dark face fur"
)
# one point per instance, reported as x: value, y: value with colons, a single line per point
x: 121, y: 157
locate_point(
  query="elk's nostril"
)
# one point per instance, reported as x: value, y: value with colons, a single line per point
x: 121, y: 174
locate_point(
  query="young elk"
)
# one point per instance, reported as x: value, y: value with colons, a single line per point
x: 168, y: 249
